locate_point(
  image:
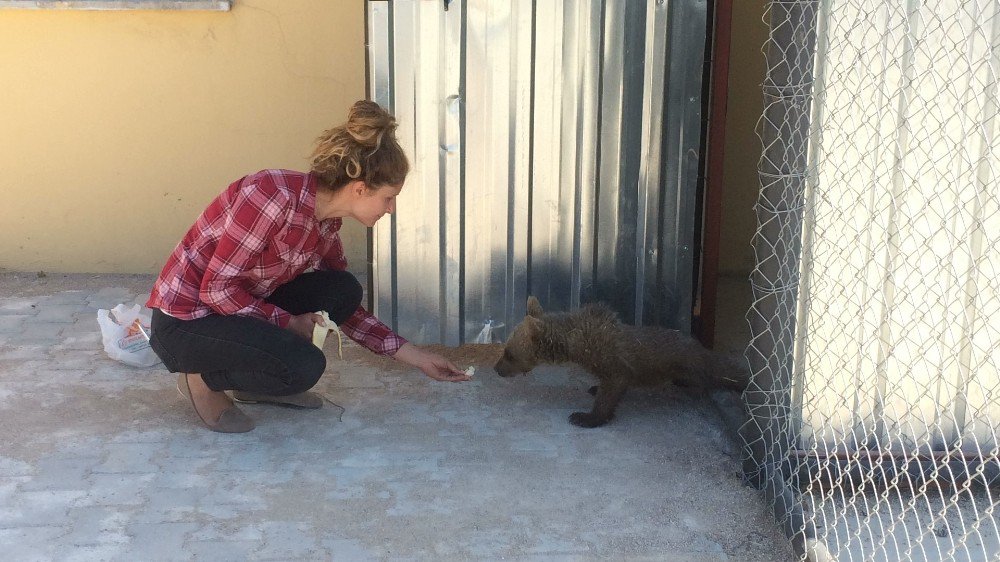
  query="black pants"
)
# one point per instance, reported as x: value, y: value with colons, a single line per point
x: 253, y: 355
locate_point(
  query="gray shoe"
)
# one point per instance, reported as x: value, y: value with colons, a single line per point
x: 231, y: 420
x: 304, y: 400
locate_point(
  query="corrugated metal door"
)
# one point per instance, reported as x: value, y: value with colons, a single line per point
x: 555, y: 153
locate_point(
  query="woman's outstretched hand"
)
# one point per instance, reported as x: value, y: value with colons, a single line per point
x: 432, y: 364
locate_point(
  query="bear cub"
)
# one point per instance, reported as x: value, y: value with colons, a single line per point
x: 619, y: 355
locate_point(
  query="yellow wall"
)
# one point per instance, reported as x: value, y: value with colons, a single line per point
x: 743, y: 148
x: 117, y: 128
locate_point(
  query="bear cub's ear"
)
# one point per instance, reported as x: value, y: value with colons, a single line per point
x: 534, y: 308
x: 533, y: 325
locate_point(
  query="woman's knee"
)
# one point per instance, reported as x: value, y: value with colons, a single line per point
x: 356, y: 291
x: 345, y: 294
x: 305, y: 370
x: 351, y: 288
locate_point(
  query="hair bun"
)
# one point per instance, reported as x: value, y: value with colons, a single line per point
x: 367, y: 123
x: 365, y: 148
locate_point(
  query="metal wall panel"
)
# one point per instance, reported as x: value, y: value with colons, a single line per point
x: 554, y: 148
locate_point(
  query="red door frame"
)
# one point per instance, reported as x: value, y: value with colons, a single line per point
x: 714, y: 165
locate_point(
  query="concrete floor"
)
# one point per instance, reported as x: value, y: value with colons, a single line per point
x: 101, y: 461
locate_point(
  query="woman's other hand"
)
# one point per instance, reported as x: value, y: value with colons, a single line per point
x: 432, y: 364
x: 302, y: 324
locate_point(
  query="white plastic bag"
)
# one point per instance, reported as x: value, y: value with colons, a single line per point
x: 125, y: 332
x: 486, y: 334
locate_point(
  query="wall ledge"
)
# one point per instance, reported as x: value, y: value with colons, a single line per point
x: 210, y: 5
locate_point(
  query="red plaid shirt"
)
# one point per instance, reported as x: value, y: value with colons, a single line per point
x: 258, y: 234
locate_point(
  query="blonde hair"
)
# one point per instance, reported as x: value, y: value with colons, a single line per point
x: 365, y: 148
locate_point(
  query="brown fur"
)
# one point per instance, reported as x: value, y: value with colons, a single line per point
x: 619, y: 355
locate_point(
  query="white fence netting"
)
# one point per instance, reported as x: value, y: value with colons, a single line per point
x: 875, y: 404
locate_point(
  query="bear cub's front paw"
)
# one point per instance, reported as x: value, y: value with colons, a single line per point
x: 586, y: 419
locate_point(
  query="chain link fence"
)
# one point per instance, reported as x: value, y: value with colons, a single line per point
x: 875, y: 329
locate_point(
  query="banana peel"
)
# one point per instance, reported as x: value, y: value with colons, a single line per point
x: 321, y: 329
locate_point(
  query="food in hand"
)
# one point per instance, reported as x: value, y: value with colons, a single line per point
x: 321, y: 329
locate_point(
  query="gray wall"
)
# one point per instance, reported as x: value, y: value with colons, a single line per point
x: 555, y: 151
